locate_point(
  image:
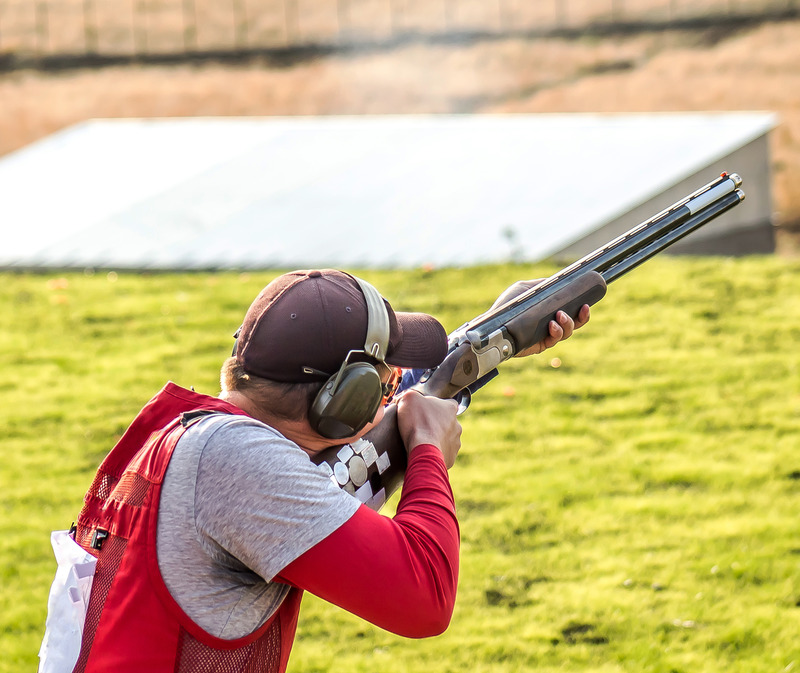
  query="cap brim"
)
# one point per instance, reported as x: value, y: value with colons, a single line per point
x: 423, y: 344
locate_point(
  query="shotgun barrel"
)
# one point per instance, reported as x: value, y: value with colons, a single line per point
x: 480, y: 345
x: 628, y: 250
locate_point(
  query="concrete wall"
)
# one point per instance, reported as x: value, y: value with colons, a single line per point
x: 746, y: 229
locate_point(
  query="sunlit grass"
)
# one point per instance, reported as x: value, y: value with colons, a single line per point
x: 631, y: 506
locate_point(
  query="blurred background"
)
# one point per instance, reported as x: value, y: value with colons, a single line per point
x: 65, y: 61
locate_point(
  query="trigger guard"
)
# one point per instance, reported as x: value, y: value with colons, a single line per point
x: 463, y: 397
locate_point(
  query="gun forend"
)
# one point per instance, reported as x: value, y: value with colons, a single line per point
x: 482, y: 348
x: 531, y: 326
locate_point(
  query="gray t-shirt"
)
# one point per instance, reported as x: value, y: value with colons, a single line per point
x: 238, y: 504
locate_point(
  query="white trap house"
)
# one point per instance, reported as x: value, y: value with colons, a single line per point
x: 371, y: 192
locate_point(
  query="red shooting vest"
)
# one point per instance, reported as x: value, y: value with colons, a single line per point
x: 133, y: 624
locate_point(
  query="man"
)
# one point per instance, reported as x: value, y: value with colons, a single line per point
x: 209, y: 518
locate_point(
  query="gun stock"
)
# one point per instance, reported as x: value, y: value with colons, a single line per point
x: 479, y: 346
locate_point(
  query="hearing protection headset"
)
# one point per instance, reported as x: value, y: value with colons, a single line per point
x: 351, y: 397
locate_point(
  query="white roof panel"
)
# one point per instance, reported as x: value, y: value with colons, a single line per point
x: 392, y: 191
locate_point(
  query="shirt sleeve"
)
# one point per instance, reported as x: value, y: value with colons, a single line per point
x: 259, y: 500
x: 398, y: 573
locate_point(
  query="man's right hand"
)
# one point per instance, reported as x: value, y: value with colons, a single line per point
x: 429, y: 420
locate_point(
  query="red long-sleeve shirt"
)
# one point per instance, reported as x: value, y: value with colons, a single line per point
x: 398, y: 573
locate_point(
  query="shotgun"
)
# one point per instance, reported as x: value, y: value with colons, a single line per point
x: 372, y: 467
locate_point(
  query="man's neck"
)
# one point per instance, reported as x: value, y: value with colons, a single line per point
x: 297, y: 431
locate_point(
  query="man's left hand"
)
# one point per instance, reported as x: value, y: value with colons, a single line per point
x: 559, y: 329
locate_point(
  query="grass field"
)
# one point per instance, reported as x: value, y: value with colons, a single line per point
x: 628, y: 501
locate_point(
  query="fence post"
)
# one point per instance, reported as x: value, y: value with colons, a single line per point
x: 42, y: 36
x: 239, y: 24
x: 449, y: 14
x: 139, y: 27
x: 42, y: 27
x: 90, y: 28
x: 291, y: 26
x: 342, y: 18
x: 561, y: 13
x: 189, y: 26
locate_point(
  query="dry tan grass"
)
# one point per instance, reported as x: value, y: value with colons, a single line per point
x: 413, y: 79
x: 757, y: 70
x: 652, y: 72
x: 128, y: 26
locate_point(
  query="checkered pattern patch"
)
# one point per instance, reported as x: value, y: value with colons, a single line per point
x: 358, y: 469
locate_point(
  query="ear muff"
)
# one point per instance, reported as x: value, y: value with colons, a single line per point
x: 350, y: 398
x: 342, y: 409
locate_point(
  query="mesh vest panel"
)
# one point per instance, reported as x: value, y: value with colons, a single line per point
x: 126, y: 507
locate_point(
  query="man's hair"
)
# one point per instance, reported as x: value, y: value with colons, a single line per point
x: 288, y: 401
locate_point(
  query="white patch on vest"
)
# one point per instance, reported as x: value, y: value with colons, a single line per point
x: 369, y: 454
x: 364, y: 493
x: 344, y: 453
x: 383, y: 462
x: 358, y: 470
x: 378, y: 500
x: 342, y: 473
x: 360, y: 444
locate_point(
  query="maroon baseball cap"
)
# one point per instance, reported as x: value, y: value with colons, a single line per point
x: 314, y: 318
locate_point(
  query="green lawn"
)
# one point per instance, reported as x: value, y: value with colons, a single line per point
x: 634, y: 508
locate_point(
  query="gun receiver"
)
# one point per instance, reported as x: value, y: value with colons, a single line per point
x: 480, y: 345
